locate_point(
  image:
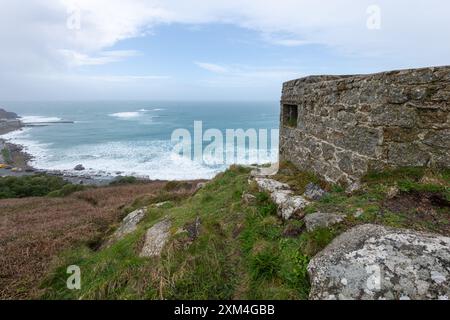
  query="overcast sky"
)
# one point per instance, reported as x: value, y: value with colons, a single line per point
x: 207, y: 49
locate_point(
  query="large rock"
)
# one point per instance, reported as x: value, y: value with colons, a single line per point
x: 155, y: 239
x: 318, y: 220
x: 373, y: 262
x: 287, y: 202
x: 129, y: 225
x: 79, y: 167
x: 271, y: 185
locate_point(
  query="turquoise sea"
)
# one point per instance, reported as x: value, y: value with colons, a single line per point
x: 132, y: 137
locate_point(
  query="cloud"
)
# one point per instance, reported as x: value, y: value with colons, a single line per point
x: 100, y: 78
x: 212, y: 67
x: 407, y: 27
x: 74, y: 58
x: 40, y: 36
x: 244, y: 75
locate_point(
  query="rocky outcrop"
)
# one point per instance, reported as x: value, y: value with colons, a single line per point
x: 79, y: 167
x: 155, y: 239
x: 128, y: 226
x: 6, y: 115
x: 376, y: 262
x: 340, y: 127
x: 318, y: 220
x: 287, y: 202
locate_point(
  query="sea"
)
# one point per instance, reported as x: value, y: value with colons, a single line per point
x: 134, y: 138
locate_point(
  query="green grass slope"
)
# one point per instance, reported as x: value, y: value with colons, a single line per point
x: 243, y: 250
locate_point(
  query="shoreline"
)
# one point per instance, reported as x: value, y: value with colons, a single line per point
x: 18, y: 164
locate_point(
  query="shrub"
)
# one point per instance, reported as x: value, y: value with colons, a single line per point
x: 29, y: 186
x: 124, y: 180
x: 67, y: 190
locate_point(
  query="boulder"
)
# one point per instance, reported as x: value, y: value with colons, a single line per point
x: 287, y: 202
x: 314, y: 192
x: 155, y: 239
x: 79, y: 167
x: 129, y: 225
x: 372, y: 262
x: 270, y: 185
x: 322, y: 220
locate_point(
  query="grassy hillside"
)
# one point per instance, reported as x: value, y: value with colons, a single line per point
x: 242, y: 251
x: 35, y: 230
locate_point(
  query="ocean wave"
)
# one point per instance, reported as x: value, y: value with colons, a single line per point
x: 147, y: 159
x: 39, y: 119
x: 126, y: 115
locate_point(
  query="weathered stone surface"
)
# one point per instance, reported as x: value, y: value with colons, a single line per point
x: 407, y: 154
x: 314, y: 192
x: 322, y: 220
x: 288, y: 204
x: 373, y: 262
x: 350, y: 124
x: 155, y: 239
x: 271, y: 185
x: 129, y: 225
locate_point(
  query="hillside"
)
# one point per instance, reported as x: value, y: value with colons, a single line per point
x: 35, y: 228
x: 227, y: 242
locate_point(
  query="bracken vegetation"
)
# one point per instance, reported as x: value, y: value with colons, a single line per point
x: 33, y: 231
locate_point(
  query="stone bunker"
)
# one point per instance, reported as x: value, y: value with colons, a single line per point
x: 341, y: 127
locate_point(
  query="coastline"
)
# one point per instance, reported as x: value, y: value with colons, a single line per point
x: 18, y: 162
x: 13, y: 155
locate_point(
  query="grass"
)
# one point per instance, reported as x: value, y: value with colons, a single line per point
x: 44, y: 227
x: 298, y: 180
x: 240, y: 253
x: 6, y: 156
x: 243, y: 250
x: 410, y: 208
x: 123, y: 181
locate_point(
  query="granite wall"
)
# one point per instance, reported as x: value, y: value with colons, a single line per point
x: 340, y: 127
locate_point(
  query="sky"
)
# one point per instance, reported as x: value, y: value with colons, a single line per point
x: 207, y: 49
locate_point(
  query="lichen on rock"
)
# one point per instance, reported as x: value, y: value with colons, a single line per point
x: 372, y: 262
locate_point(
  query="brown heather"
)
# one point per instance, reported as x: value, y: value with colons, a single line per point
x: 34, y: 231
